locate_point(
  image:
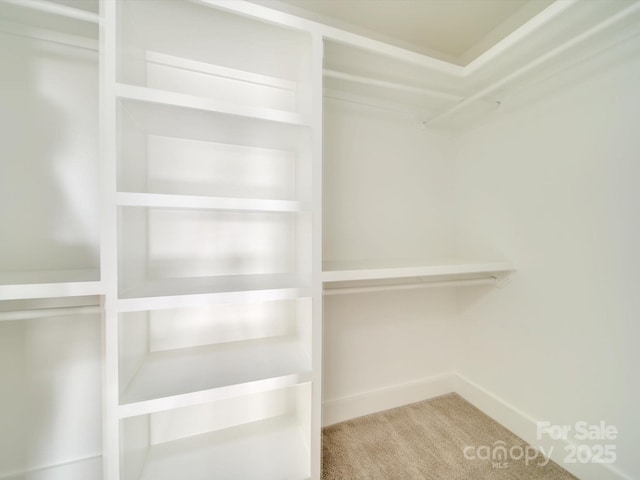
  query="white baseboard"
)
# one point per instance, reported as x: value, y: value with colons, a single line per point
x: 520, y: 423
x: 341, y: 409
x: 526, y: 427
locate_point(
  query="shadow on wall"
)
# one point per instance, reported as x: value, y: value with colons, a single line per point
x: 48, y: 186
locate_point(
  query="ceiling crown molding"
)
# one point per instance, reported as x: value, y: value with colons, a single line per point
x: 562, y: 35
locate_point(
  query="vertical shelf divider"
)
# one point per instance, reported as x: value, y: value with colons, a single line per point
x: 109, y: 236
x: 316, y: 240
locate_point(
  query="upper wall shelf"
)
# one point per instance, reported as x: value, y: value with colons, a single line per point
x: 353, y: 277
x: 355, y: 75
x: 394, y: 95
x: 561, y: 38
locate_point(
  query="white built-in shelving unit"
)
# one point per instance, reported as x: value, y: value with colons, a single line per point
x: 176, y: 321
x: 50, y: 320
x: 210, y: 306
x: 161, y: 257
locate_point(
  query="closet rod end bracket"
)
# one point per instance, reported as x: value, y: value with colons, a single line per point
x: 502, y: 279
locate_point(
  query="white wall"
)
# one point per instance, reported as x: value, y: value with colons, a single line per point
x: 553, y: 185
x: 387, y: 191
x: 51, y: 395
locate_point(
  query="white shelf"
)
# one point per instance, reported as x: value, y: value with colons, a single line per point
x: 48, y: 284
x: 203, y: 299
x: 157, y: 200
x: 362, y: 273
x: 219, y: 71
x: 188, y: 292
x: 211, y: 395
x: 54, y: 8
x: 50, y: 21
x: 271, y: 449
x: 203, y: 125
x: 163, y: 97
x: 176, y: 378
x: 362, y: 81
x: 388, y: 95
x: 84, y: 469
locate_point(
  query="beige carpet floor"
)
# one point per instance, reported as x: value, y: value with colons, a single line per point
x: 427, y: 440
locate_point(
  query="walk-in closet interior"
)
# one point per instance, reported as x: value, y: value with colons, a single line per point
x: 225, y: 224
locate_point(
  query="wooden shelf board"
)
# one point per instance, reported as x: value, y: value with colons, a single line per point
x: 157, y: 200
x: 48, y: 284
x: 270, y: 449
x: 163, y: 97
x: 233, y: 368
